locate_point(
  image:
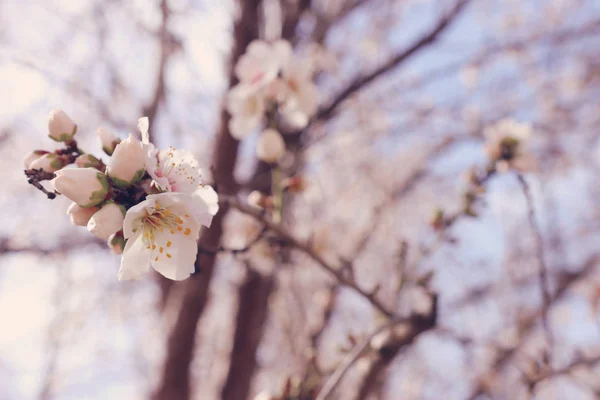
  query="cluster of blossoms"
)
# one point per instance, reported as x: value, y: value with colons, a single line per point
x: 275, y: 91
x: 506, y: 146
x: 149, y: 204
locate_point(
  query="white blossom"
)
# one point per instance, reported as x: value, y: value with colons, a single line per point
x: 31, y: 157
x: 80, y: 216
x: 108, y: 220
x: 299, y: 96
x: 87, y: 160
x: 270, y: 146
x: 247, y: 107
x: 60, y: 127
x: 127, y: 164
x: 261, y: 62
x: 507, y: 145
x: 171, y: 170
x: 162, y: 232
x: 49, y: 162
x: 85, y: 186
x: 108, y: 140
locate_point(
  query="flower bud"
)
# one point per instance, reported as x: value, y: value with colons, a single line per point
x: 116, y: 242
x: 85, y: 186
x: 270, y: 146
x: 294, y: 184
x: 127, y: 164
x: 80, y: 216
x: 88, y: 160
x: 31, y: 157
x: 108, y: 140
x: 60, y: 127
x: 259, y: 200
x: 107, y: 221
x: 50, y: 162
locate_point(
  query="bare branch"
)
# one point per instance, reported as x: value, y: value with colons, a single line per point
x: 395, y: 61
x: 306, y: 248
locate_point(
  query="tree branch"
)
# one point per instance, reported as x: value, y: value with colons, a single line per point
x: 337, y: 273
x: 395, y: 61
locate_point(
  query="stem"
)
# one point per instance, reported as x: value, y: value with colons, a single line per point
x: 539, y: 244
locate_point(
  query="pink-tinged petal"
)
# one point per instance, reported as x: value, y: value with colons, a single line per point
x: 135, y: 260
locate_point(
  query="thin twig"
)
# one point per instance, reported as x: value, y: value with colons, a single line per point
x: 350, y: 360
x: 235, y: 251
x: 364, y: 80
x: 306, y: 248
x: 539, y: 244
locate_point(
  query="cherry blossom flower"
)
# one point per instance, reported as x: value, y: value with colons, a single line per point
x: 85, y: 186
x: 87, y: 160
x: 507, y: 145
x: 270, y: 146
x: 108, y: 140
x: 60, y: 127
x: 162, y: 232
x: 31, y: 157
x: 80, y: 216
x: 50, y: 162
x: 108, y: 220
x: 261, y: 62
x: 171, y: 170
x: 299, y: 95
x: 127, y: 164
x: 247, y: 107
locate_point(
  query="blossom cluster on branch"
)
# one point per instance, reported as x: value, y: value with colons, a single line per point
x: 148, y: 204
x: 275, y: 93
x: 507, y: 148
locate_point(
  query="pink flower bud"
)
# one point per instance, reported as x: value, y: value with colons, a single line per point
x: 259, y: 200
x: 31, y: 157
x: 270, y: 146
x: 85, y: 186
x: 88, y: 160
x: 107, y: 221
x: 60, y: 127
x: 116, y: 242
x: 80, y: 216
x: 127, y: 164
x: 50, y: 162
x: 108, y: 140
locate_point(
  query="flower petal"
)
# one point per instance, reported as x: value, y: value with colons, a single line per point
x: 175, y: 256
x: 135, y: 260
x: 205, y: 206
x: 133, y: 215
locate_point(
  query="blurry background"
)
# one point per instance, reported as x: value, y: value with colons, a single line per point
x: 407, y: 88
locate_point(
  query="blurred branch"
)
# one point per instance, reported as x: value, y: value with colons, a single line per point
x: 306, y: 248
x: 528, y: 324
x: 395, y: 61
x: 402, y: 332
x: 543, y: 268
x: 62, y: 247
x: 550, y: 373
x: 350, y: 360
